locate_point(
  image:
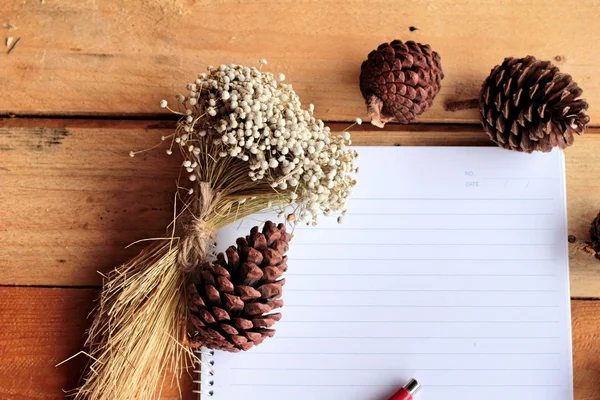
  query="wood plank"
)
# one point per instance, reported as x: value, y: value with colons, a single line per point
x: 39, y: 328
x: 122, y: 57
x: 72, y: 198
x: 586, y: 349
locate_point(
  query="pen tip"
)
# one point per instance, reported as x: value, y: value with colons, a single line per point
x: 412, y: 386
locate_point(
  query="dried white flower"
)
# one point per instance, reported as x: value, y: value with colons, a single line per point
x: 163, y: 104
x: 255, y: 117
x: 131, y: 154
x: 358, y: 121
x: 263, y: 61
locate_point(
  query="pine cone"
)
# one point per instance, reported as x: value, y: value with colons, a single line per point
x: 528, y: 105
x: 399, y: 81
x: 595, y: 235
x: 229, y: 306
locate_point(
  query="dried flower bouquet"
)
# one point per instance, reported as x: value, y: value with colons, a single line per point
x: 247, y: 145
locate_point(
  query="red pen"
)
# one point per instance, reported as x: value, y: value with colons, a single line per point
x: 407, y: 392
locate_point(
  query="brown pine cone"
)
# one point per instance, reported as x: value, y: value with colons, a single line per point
x: 230, y: 305
x: 595, y: 235
x: 399, y: 81
x: 528, y: 105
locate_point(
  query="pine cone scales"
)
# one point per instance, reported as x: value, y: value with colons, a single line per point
x: 528, y: 105
x: 399, y: 81
x: 595, y: 235
x: 229, y: 308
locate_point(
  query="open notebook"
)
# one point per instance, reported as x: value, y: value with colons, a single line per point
x: 451, y: 267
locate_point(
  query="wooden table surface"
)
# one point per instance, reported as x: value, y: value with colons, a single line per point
x: 81, y: 89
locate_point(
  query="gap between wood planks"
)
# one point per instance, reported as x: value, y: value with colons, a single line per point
x: 168, y: 122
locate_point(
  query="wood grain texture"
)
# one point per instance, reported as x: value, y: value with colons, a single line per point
x: 586, y: 349
x: 122, y: 56
x: 39, y: 328
x: 72, y: 198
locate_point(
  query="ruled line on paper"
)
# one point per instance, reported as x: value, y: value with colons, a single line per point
x: 520, y: 179
x: 387, y: 353
x: 300, y: 228
x: 421, y: 337
x: 458, y: 214
x: 413, y: 306
x: 506, y: 386
x: 394, y: 369
x: 451, y: 198
x: 424, y: 259
x: 433, y: 275
x: 423, y: 290
x: 380, y: 260
x: 423, y: 244
x: 387, y: 321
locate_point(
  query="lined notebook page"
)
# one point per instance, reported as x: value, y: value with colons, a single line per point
x: 451, y: 267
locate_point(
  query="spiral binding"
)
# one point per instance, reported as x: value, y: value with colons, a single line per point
x: 206, y: 373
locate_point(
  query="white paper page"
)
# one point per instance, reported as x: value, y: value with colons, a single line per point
x: 451, y: 267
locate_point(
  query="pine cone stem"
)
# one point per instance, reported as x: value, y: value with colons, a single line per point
x: 462, y: 105
x: 374, y: 110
